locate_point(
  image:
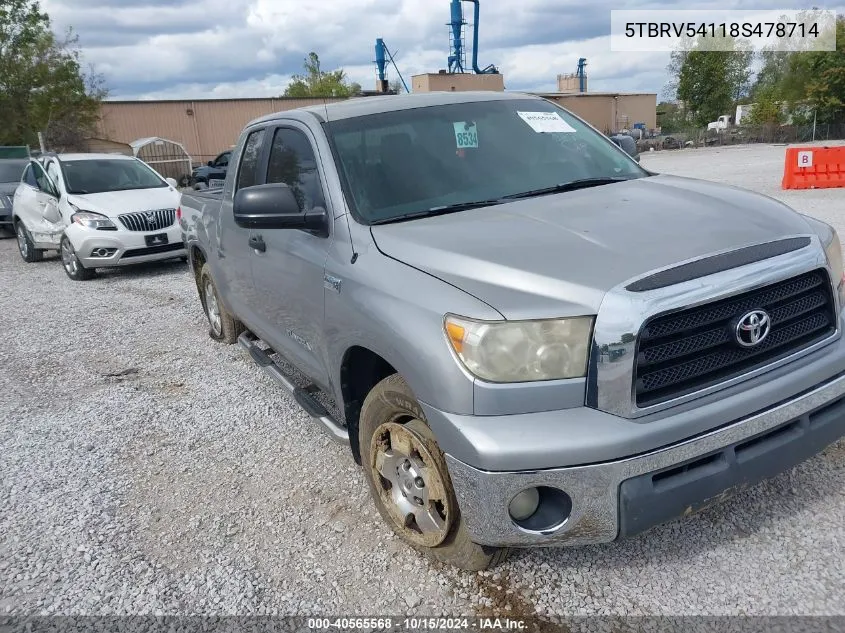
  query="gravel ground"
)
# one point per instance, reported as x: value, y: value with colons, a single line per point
x: 145, y: 469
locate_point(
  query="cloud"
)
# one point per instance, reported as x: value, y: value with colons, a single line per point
x: 196, y: 48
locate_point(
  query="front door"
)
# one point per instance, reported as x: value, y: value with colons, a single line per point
x: 37, y: 205
x: 289, y: 272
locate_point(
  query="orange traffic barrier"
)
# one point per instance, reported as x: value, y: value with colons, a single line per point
x: 814, y: 168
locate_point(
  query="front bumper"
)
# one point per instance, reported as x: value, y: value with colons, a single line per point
x: 130, y: 247
x: 626, y: 496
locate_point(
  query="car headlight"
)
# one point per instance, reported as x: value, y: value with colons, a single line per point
x: 833, y: 250
x: 91, y: 220
x: 521, y: 351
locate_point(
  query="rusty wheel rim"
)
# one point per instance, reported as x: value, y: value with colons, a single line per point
x: 410, y: 484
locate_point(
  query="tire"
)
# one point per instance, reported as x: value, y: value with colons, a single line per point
x: 223, y: 326
x: 391, y: 414
x: 26, y: 246
x: 70, y: 262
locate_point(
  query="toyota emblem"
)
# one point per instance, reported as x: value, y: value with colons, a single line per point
x: 753, y: 328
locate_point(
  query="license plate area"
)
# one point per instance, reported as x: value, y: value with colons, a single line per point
x: 159, y: 239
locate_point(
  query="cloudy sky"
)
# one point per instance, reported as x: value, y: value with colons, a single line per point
x: 161, y: 49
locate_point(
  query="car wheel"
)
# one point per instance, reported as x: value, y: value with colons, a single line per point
x: 409, y: 480
x: 70, y: 262
x: 25, y: 244
x: 224, y: 327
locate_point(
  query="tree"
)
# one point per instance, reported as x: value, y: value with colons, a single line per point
x: 319, y: 83
x: 826, y: 87
x: 711, y: 81
x: 42, y: 85
x: 805, y: 80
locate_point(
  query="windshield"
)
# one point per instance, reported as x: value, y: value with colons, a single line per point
x: 104, y: 174
x: 409, y: 162
x: 11, y: 170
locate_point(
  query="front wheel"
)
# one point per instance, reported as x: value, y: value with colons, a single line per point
x: 409, y: 480
x: 73, y: 267
x: 26, y: 246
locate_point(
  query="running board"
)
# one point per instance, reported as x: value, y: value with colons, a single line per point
x: 303, y: 397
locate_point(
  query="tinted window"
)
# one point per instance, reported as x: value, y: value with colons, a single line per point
x: 292, y: 162
x: 248, y: 174
x: 413, y: 160
x: 223, y: 159
x: 98, y: 175
x: 53, y: 172
x: 42, y: 181
x: 29, y: 177
x: 11, y: 170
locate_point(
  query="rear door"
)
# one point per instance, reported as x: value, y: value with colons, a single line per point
x: 233, y: 271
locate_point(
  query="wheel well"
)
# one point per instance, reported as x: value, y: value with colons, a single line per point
x: 360, y: 371
x: 197, y: 262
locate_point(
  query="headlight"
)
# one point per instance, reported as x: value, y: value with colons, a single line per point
x: 521, y: 351
x: 91, y: 220
x: 833, y: 250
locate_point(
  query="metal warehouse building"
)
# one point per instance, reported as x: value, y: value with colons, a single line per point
x: 209, y: 126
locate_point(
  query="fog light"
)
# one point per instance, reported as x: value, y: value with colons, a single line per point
x: 524, y: 504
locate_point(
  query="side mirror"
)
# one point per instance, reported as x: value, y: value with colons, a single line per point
x: 172, y: 182
x: 210, y: 163
x: 274, y: 206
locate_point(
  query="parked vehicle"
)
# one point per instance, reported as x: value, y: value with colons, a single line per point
x: 10, y: 175
x: 97, y: 210
x: 530, y: 339
x: 627, y: 143
x: 213, y: 174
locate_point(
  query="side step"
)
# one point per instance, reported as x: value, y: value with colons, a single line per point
x: 303, y: 397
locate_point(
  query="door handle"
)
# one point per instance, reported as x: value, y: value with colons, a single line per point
x: 257, y: 242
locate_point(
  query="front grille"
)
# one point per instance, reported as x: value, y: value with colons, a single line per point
x: 155, y: 220
x: 686, y: 351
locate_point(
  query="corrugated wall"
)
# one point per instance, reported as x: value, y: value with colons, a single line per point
x: 204, y: 127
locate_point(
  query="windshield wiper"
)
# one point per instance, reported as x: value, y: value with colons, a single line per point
x: 442, y: 210
x: 583, y: 183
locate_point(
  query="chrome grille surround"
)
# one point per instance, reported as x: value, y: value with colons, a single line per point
x: 622, y: 315
x: 146, y: 221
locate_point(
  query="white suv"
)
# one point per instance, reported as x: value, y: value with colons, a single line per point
x: 97, y: 210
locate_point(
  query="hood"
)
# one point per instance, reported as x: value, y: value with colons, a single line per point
x: 114, y: 203
x: 558, y: 255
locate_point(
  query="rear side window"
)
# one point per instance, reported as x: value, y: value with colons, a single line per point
x: 248, y: 174
x: 292, y: 162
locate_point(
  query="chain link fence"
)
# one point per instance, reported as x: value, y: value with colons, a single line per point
x: 780, y: 134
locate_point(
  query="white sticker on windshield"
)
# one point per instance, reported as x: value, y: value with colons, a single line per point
x: 466, y: 134
x: 546, y: 122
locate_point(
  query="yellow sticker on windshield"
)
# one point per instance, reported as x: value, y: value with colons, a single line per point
x: 466, y: 134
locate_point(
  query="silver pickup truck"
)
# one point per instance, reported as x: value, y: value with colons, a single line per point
x: 524, y: 337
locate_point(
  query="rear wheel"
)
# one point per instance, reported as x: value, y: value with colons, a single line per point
x: 73, y: 267
x: 25, y: 244
x: 409, y: 480
x: 224, y: 327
